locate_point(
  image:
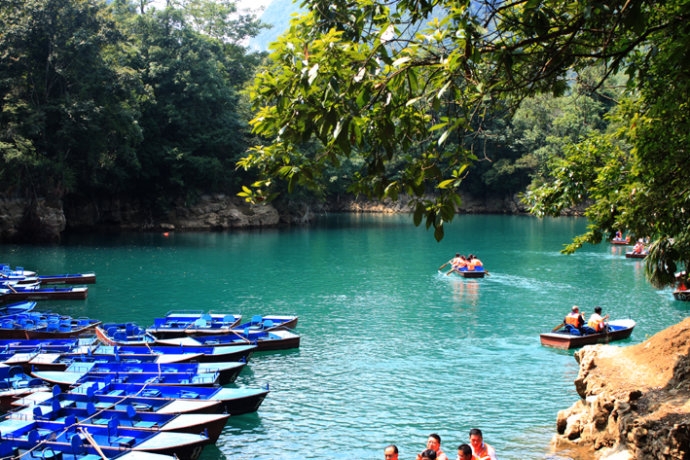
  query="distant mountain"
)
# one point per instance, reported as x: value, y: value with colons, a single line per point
x: 278, y: 13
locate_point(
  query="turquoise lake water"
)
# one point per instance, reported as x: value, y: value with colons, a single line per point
x: 391, y: 349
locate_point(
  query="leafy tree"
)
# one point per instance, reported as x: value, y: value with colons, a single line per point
x: 402, y: 86
x: 193, y: 123
x: 68, y: 119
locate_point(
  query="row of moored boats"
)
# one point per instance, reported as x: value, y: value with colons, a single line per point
x: 79, y: 388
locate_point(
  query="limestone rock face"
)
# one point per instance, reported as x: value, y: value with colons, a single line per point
x: 23, y: 221
x: 635, y: 401
x: 219, y: 212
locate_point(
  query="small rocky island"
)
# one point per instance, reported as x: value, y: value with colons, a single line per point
x: 635, y: 401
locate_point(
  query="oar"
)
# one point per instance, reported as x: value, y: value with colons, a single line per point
x: 441, y: 267
x: 557, y: 327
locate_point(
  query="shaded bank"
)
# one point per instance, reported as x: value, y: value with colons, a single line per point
x: 43, y: 221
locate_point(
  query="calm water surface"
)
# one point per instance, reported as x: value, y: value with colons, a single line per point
x: 391, y: 350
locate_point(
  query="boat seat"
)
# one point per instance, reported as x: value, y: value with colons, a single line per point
x: 151, y: 393
x: 38, y: 413
x: 142, y: 407
x: 116, y: 393
x: 123, y: 441
x: 268, y: 324
x: 76, y: 442
x: 137, y: 421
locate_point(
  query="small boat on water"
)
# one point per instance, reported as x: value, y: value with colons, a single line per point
x: 13, y: 294
x: 269, y: 322
x: 83, y: 395
x: 635, y: 255
x: 15, y: 383
x: 180, y: 323
x: 470, y: 273
x: 56, y: 345
x: 276, y: 339
x: 7, y: 271
x: 89, y: 415
x: 621, y: 241
x: 19, y: 274
x: 44, y: 325
x: 123, y: 334
x: 240, y: 353
x: 571, y: 338
x: 108, y: 441
x: 16, y: 308
x: 203, y: 374
x: 49, y: 453
x: 683, y: 295
x: 234, y: 401
x: 61, y: 361
x: 68, y: 278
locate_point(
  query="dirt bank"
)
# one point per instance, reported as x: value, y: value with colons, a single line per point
x: 635, y: 401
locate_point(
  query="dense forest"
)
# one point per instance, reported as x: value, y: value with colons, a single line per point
x: 560, y: 103
x: 144, y: 103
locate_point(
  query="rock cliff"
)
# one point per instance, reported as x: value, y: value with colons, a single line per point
x: 41, y: 222
x: 635, y: 401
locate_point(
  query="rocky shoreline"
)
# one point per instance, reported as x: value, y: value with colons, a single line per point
x: 44, y: 221
x: 635, y: 401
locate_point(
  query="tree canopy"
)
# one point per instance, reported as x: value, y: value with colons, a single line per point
x: 122, y: 100
x: 408, y: 86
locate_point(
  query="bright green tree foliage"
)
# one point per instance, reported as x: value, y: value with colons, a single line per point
x: 413, y: 84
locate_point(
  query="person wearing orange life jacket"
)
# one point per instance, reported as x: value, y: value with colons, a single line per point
x: 596, y: 321
x: 480, y: 449
x: 474, y: 264
x: 575, y: 318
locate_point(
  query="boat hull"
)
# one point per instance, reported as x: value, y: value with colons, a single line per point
x: 620, y: 330
x: 471, y: 274
x: 683, y: 296
x: 71, y: 293
x: 77, y: 278
x: 633, y: 255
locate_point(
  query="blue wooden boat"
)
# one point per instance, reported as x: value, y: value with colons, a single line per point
x: 7, y: 271
x: 210, y: 424
x: 56, y: 345
x: 15, y: 383
x: 81, y: 396
x: 61, y: 361
x: 180, y: 323
x: 227, y: 372
x: 13, y: 294
x: 18, y: 274
x: 241, y: 353
x: 44, y: 325
x: 276, y: 339
x: 16, y: 308
x: 70, y: 436
x: 234, y: 401
x: 123, y: 334
x: 48, y: 453
x: 204, y: 374
x: 269, y: 322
